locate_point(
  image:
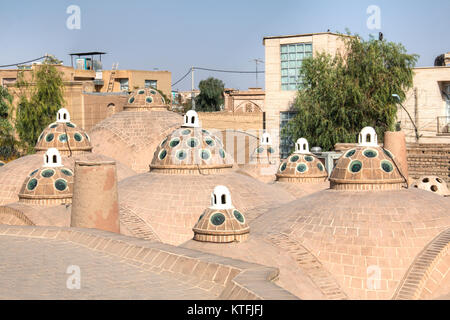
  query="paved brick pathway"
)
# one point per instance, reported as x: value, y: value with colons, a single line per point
x: 33, y: 268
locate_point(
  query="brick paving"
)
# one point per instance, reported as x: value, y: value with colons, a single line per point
x: 36, y: 269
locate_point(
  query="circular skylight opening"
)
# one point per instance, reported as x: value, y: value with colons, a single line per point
x: 141, y: 91
x: 174, y: 142
x: 350, y: 153
x: 152, y: 91
x: 162, y: 154
x: 54, y: 125
x: 388, y: 153
x: 149, y: 99
x: 70, y: 124
x: 217, y: 219
x: 181, y: 154
x: 320, y: 166
x: 131, y: 100
x: 210, y: 142
x: 48, y: 173
x: 67, y: 172
x: 185, y: 132
x: 239, y: 217
x: 387, y: 166
x: 33, y: 172
x: 205, y: 154
x: 163, y: 142
x: 192, y: 142
x: 222, y: 153
x: 370, y: 153
x: 62, y: 137
x: 78, y: 137
x: 302, y: 167
x: 61, y: 184
x: 355, y: 166
x: 309, y: 158
x: 32, y: 184
x: 270, y: 150
x: 283, y: 166
x: 260, y: 150
x: 87, y: 137
x: 49, y: 137
x: 294, y: 158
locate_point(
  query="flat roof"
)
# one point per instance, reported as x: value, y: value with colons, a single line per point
x: 303, y: 35
x: 86, y: 53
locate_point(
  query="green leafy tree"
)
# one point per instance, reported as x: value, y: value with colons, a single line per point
x: 211, y: 96
x: 341, y: 94
x: 39, y: 100
x: 8, y: 142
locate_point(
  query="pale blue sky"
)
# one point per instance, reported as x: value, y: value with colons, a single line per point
x: 174, y: 35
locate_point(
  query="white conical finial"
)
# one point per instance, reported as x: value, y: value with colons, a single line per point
x: 266, y: 139
x: 221, y: 198
x: 368, y: 137
x: 63, y: 115
x: 191, y: 119
x: 302, y: 146
x: 52, y: 158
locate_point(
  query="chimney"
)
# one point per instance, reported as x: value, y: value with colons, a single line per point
x: 395, y: 142
x: 447, y: 59
x: 95, y: 199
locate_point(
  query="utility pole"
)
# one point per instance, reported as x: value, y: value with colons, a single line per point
x: 192, y: 89
x: 256, y: 65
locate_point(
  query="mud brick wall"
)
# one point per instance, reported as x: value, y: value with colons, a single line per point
x: 429, y: 159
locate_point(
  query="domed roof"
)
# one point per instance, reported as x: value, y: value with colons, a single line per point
x: 131, y: 137
x: 367, y: 167
x: 433, y: 184
x: 64, y: 135
x: 144, y: 100
x: 301, y: 166
x: 169, y: 205
x: 15, y: 172
x: 191, y: 149
x: 352, y: 233
x: 50, y: 184
x: 264, y: 153
x: 221, y: 222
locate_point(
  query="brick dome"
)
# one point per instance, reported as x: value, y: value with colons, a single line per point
x: 190, y: 149
x: 433, y: 184
x: 221, y: 222
x: 64, y: 135
x: 353, y: 233
x: 301, y: 168
x: 167, y: 206
x: 51, y: 184
x: 144, y: 100
x: 131, y: 137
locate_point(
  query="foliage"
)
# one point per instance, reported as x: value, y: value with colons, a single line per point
x: 39, y: 100
x: 211, y: 96
x: 342, y: 94
x: 8, y: 143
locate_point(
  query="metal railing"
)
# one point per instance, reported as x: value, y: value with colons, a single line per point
x: 443, y: 125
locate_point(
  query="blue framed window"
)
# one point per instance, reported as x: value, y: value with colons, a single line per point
x: 151, y: 84
x: 292, y: 56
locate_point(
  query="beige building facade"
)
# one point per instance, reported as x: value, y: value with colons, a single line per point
x: 86, y: 91
x: 283, y: 58
x: 428, y: 102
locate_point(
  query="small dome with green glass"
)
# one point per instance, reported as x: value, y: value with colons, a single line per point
x: 145, y: 99
x: 64, y: 135
x: 51, y: 184
x: 366, y: 166
x: 265, y: 151
x: 191, y: 150
x: 221, y: 222
x: 301, y: 166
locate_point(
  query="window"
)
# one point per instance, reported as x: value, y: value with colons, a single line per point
x: 123, y: 84
x: 6, y: 81
x: 151, y: 84
x: 292, y: 56
x: 286, y: 143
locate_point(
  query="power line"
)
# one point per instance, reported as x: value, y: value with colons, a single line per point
x: 214, y: 70
x: 20, y: 63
